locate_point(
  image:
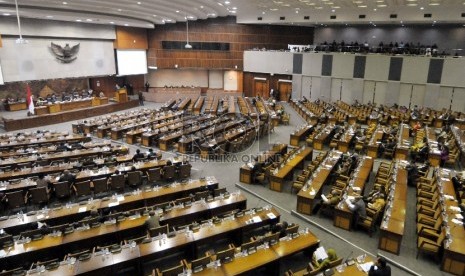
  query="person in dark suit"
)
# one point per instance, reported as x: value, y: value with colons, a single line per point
x: 138, y: 156
x: 380, y: 268
x: 67, y: 176
x: 280, y: 228
x: 153, y: 221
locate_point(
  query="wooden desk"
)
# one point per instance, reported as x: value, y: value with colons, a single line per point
x: 392, y: 227
x: 300, y: 134
x: 311, y: 192
x: 434, y: 154
x: 322, y: 137
x: 343, y: 144
x: 277, y: 179
x: 352, y: 270
x: 343, y: 217
x: 15, y: 106
x: 372, y: 148
x: 403, y: 145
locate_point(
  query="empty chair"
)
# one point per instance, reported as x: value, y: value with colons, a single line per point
x: 201, y: 195
x: 24, y: 165
x: 117, y: 182
x: 134, y: 178
x: 100, y: 186
x: 39, y: 195
x: 82, y: 189
x: 15, y: 199
x: 185, y: 171
x: 153, y: 232
x: 154, y: 175
x: 168, y: 172
x: 62, y: 189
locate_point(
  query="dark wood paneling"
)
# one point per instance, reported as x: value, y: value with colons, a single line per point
x: 108, y: 84
x: 240, y: 36
x: 37, y: 121
x: 130, y: 38
x: 249, y: 82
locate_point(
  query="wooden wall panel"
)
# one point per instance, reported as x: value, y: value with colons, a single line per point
x: 240, y: 36
x: 130, y: 38
x: 248, y: 82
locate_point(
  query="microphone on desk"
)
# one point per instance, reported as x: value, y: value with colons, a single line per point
x: 349, y: 261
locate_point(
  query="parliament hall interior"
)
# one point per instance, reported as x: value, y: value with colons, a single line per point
x: 232, y: 137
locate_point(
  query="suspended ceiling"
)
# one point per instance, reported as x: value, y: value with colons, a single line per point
x: 148, y: 13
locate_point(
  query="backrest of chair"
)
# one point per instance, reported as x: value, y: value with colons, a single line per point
x: 117, y: 181
x: 134, y: 177
x: 173, y: 271
x: 83, y: 188
x: 100, y: 185
x: 335, y: 262
x: 15, y: 199
x: 62, y: 189
x: 38, y: 195
x: 154, y: 174
x: 168, y: 171
x: 153, y: 232
x: 185, y: 170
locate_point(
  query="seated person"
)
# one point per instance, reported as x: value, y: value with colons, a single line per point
x: 153, y: 155
x: 280, y: 228
x: 358, y: 207
x: 378, y: 203
x: 42, y: 182
x: 380, y: 268
x: 321, y: 261
x: 67, y: 176
x: 332, y: 198
x: 138, y: 156
x: 153, y: 221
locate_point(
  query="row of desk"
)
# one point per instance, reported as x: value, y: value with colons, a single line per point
x: 246, y: 172
x: 296, y: 160
x: 71, y: 105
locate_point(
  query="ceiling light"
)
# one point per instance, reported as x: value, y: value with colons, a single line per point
x: 234, y: 8
x: 126, y: 24
x: 333, y: 10
x: 412, y: 4
x: 89, y: 20
x: 220, y: 4
x: 65, y: 3
x: 382, y: 6
x: 119, y: 10
x: 49, y: 16
x: 421, y: 8
x: 78, y: 20
x: 374, y: 9
x: 201, y: 7
x: 111, y: 22
x: 434, y: 4
x: 7, y: 14
x: 227, y: 2
x: 138, y: 3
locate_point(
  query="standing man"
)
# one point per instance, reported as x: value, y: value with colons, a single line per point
x: 147, y: 86
x: 153, y: 221
x: 141, y: 98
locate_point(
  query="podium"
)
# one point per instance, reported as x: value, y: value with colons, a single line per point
x: 121, y: 95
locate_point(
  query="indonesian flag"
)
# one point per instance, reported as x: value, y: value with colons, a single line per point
x: 30, y: 102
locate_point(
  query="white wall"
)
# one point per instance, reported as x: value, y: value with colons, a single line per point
x: 215, y: 79
x: 35, y: 60
x: 268, y: 62
x: 230, y: 80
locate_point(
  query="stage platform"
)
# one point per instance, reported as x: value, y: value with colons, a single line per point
x: 16, y: 120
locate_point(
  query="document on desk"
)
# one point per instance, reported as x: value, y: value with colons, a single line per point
x: 256, y: 219
x: 271, y: 215
x: 82, y: 209
x: 366, y: 266
x: 120, y: 198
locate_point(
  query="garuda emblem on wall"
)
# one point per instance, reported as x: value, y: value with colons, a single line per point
x: 65, y: 54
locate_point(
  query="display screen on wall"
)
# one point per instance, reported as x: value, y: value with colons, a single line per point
x: 1, y: 75
x: 131, y: 62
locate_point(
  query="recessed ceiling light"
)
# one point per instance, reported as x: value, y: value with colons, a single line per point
x: 333, y: 10
x: 232, y: 11
x: 65, y: 3
x: 382, y: 6
x: 49, y: 16
x: 119, y: 9
x: 263, y: 12
x: 7, y: 14
x: 412, y: 4
x: 234, y: 8
x: 434, y: 4
x: 421, y: 8
x: 220, y: 4
x: 177, y: 11
x: 126, y: 24
x: 78, y: 20
x: 374, y: 9
x: 111, y: 22
x: 138, y: 3
x: 201, y: 7
x: 154, y: 15
x: 89, y: 20
x: 296, y: 11
x: 227, y: 2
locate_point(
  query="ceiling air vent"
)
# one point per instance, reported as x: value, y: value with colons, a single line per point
x: 393, y: 16
x: 259, y: 18
x: 306, y: 17
x: 427, y: 15
x: 362, y: 16
x: 282, y: 18
x: 332, y: 17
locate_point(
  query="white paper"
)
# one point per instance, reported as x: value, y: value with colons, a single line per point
x: 111, y: 204
x: 256, y: 219
x: 271, y: 215
x: 320, y: 253
x: 2, y: 253
x: 82, y: 209
x: 366, y: 266
x: 120, y: 198
x: 41, y: 216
